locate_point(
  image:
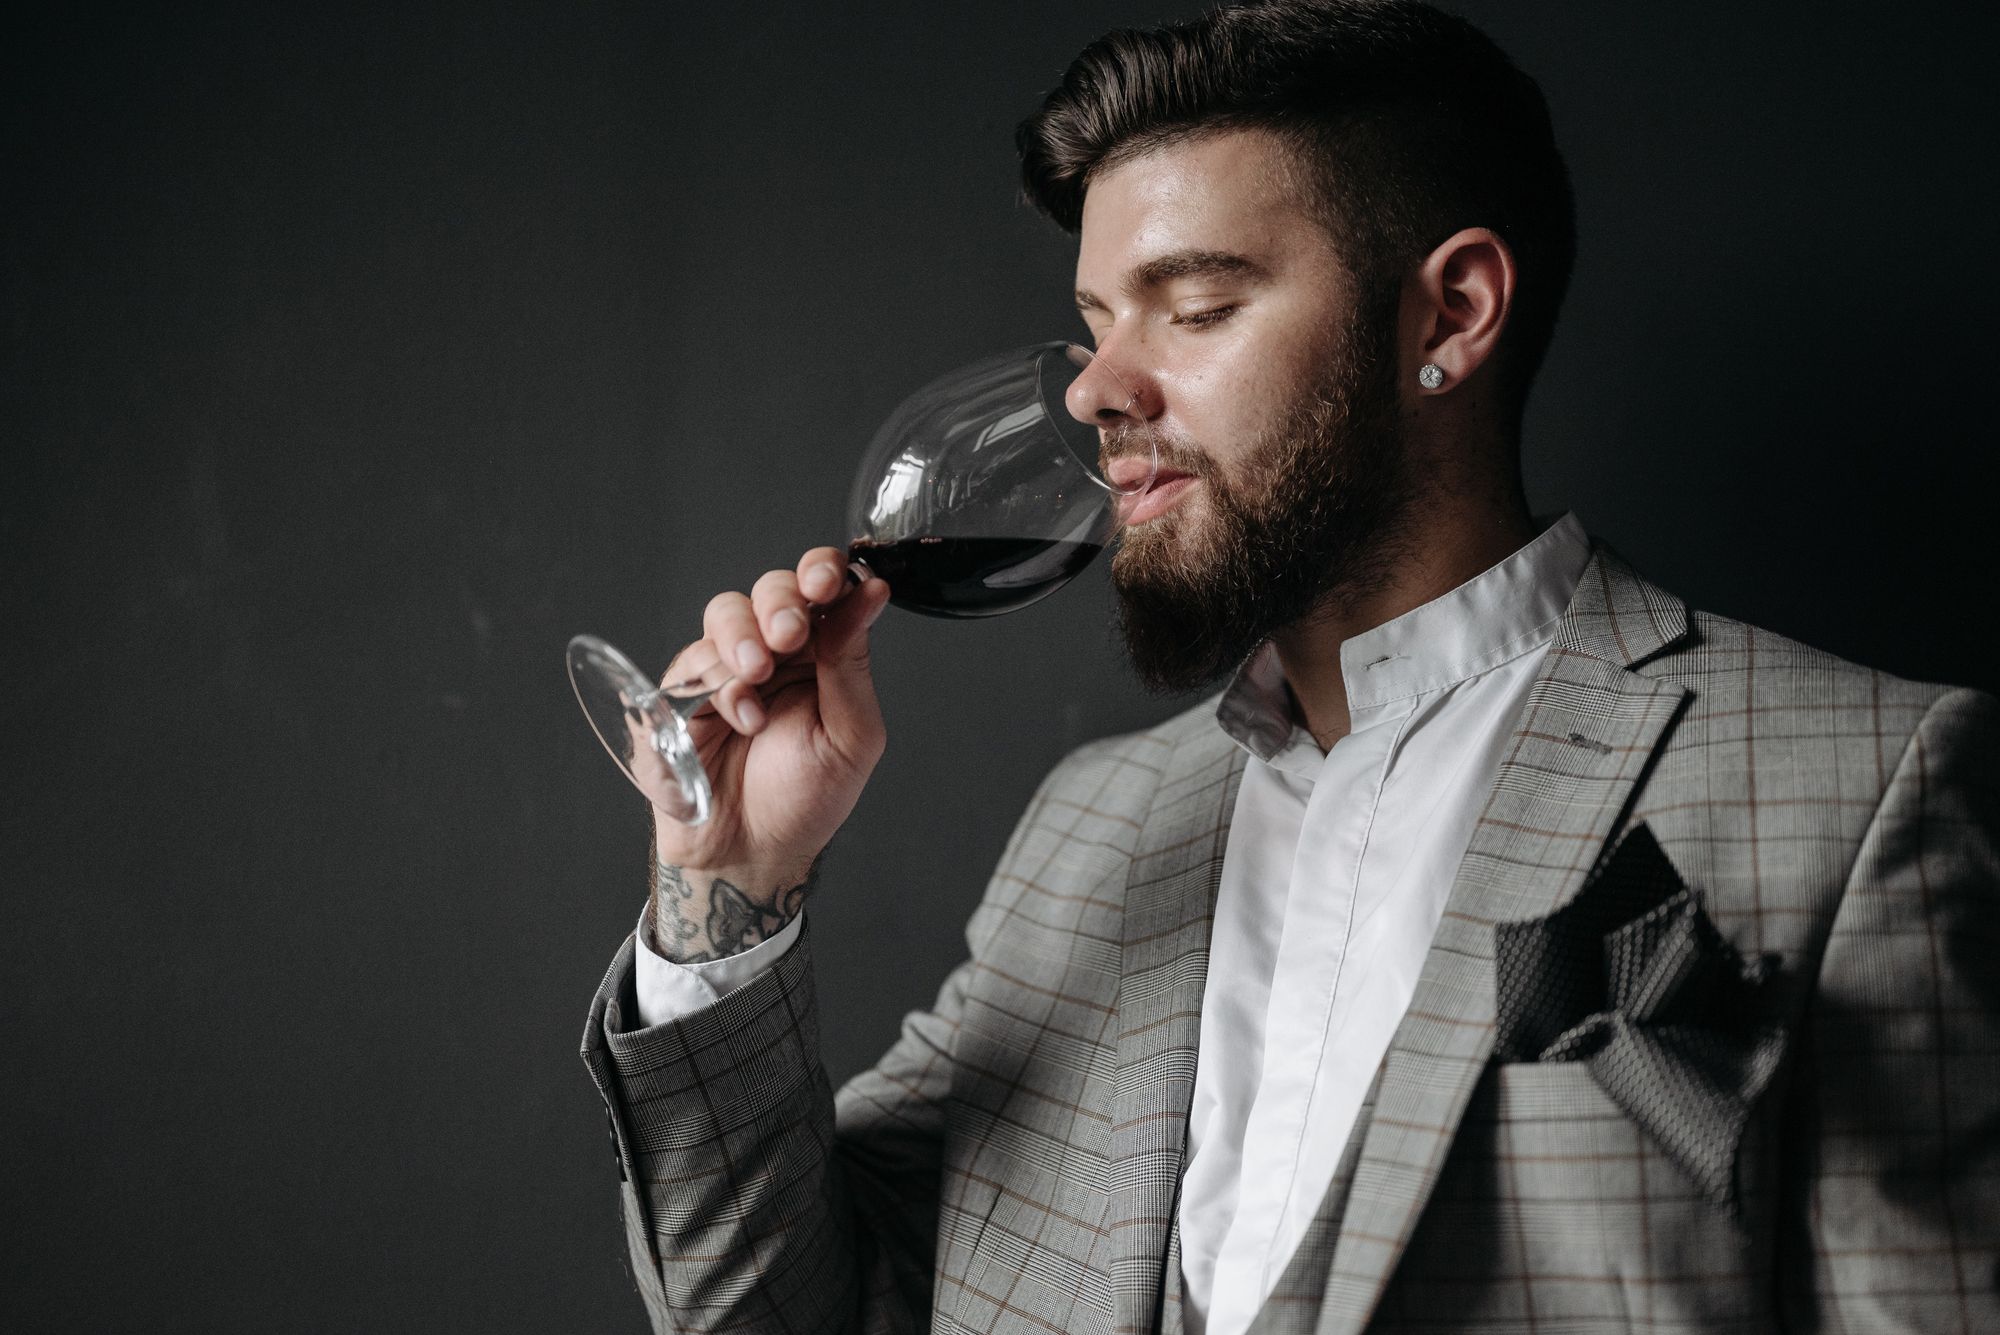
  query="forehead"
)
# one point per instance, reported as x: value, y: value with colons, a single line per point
x: 1227, y: 191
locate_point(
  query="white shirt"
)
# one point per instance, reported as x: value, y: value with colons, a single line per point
x: 1336, y: 873
x: 1333, y: 881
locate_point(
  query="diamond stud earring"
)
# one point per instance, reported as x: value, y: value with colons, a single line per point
x: 1430, y: 375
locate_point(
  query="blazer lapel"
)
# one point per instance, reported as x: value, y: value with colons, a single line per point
x: 1586, y: 736
x: 1169, y: 910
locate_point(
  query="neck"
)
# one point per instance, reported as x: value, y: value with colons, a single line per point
x: 1444, y: 541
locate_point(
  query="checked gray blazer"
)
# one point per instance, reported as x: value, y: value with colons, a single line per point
x: 1813, y: 1148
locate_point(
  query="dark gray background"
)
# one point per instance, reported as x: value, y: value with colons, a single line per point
x: 353, y: 361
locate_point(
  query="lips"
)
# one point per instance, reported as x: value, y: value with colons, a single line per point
x: 1159, y: 498
x: 1128, y: 471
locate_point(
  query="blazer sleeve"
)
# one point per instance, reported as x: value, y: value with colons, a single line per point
x: 1900, y: 1094
x: 751, y: 1202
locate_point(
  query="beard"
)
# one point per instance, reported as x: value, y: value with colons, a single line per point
x: 1309, y: 522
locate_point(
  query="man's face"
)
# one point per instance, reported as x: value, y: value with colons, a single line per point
x: 1271, y: 384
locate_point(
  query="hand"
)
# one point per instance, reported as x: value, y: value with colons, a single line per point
x: 788, y: 745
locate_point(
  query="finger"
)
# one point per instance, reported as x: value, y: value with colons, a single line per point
x: 749, y: 709
x: 783, y: 615
x: 740, y: 706
x: 730, y: 624
x: 823, y: 575
x: 699, y: 673
x: 698, y: 669
x: 848, y: 708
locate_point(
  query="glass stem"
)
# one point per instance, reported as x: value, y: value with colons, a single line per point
x: 684, y: 698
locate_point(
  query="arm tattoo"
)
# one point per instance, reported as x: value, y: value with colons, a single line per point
x: 733, y: 923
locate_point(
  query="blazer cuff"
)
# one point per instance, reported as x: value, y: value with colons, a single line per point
x: 756, y: 1045
x: 669, y: 991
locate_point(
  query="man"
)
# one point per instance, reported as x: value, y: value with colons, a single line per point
x: 1508, y: 947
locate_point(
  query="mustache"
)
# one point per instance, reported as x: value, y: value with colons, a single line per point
x: 1175, y: 456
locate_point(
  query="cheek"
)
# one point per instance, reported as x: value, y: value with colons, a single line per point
x: 1229, y: 423
x: 1226, y: 394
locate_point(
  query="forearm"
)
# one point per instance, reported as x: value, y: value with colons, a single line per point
x: 733, y: 1202
x: 743, y: 1211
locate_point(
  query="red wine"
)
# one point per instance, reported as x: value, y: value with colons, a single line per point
x: 972, y: 577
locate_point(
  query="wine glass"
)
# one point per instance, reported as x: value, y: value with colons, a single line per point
x: 981, y: 494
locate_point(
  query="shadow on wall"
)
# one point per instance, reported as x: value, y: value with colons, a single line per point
x: 1809, y: 470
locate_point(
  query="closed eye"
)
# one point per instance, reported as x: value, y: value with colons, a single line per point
x: 1202, y: 319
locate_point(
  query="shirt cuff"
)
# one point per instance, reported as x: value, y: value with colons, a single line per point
x: 669, y: 991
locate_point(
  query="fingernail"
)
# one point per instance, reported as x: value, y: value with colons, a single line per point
x: 750, y: 714
x: 749, y: 655
x: 789, y: 622
x: 828, y: 580
x: 880, y: 608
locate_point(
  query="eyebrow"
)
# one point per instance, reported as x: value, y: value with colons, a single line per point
x: 1178, y: 264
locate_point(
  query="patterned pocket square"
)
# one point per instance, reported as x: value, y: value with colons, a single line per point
x: 1632, y: 979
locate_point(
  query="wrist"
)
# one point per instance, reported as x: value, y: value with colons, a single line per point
x: 697, y: 915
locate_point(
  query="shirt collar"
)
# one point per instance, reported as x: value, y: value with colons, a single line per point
x: 1492, y: 618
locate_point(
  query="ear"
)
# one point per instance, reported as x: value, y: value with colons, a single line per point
x: 1455, y: 306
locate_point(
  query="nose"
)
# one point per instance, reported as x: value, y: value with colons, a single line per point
x: 1105, y: 393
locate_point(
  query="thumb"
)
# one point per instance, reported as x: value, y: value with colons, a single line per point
x: 848, y: 708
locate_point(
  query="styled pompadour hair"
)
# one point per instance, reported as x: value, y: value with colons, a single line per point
x: 1408, y: 125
